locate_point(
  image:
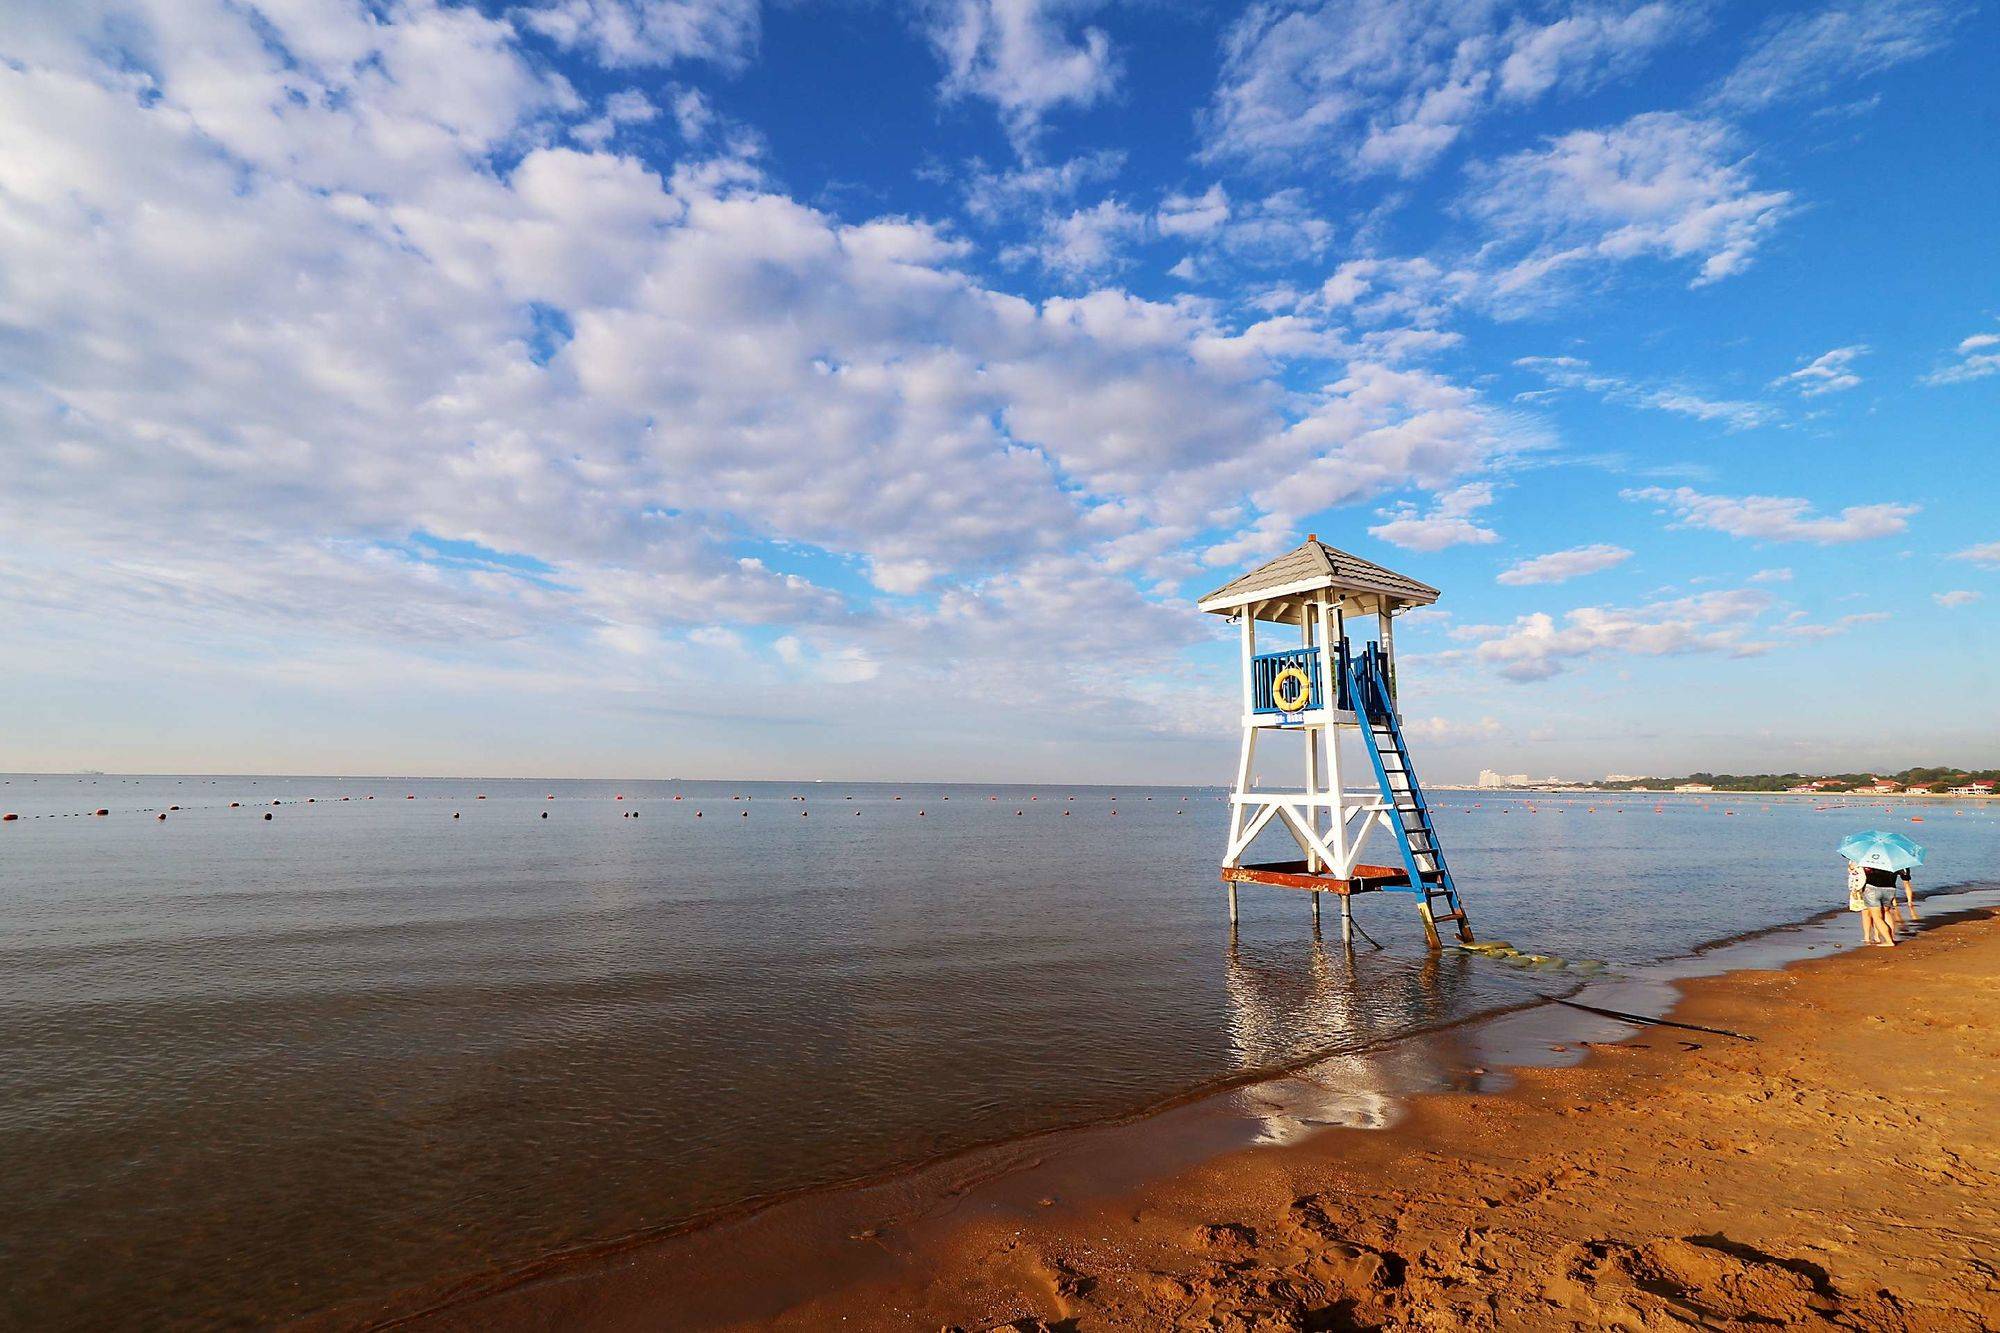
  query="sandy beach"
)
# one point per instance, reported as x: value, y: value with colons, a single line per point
x: 1834, y: 1163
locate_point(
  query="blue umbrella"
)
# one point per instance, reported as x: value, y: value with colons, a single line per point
x: 1883, y: 851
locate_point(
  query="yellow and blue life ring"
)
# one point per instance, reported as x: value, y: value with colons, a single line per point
x: 1291, y: 702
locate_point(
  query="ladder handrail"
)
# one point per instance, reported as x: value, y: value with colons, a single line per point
x: 1368, y: 686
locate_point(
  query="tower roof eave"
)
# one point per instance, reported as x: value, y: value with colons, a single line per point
x: 1314, y: 566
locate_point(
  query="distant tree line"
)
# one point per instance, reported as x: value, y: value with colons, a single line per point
x: 1830, y: 782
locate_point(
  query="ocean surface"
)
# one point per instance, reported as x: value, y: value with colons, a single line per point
x: 405, y: 1030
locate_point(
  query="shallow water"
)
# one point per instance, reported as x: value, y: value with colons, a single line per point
x: 257, y: 1068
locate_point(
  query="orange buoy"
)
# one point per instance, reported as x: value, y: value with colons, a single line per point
x: 1916, y: 819
x: 234, y: 804
x: 545, y: 814
x: 8, y: 819
x: 267, y: 814
x: 161, y: 816
x: 103, y: 812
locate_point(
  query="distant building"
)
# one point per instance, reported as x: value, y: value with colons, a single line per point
x: 1804, y: 788
x: 1882, y: 787
x: 1488, y: 778
x: 1694, y: 786
x: 1980, y: 788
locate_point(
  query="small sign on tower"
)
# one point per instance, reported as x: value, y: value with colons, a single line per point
x: 1322, y: 689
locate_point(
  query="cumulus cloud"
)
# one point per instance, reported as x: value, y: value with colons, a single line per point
x: 1084, y: 243
x: 628, y: 107
x: 1776, y: 518
x: 1660, y: 184
x: 1830, y: 372
x: 1032, y: 188
x: 1373, y: 430
x: 1388, y: 85
x: 1448, y: 521
x: 1815, y: 51
x: 1951, y: 601
x: 1026, y: 57
x: 1978, y: 357
x: 1541, y: 645
x: 1985, y: 553
x: 1562, y: 566
x: 625, y: 33
x: 378, y: 342
x: 1569, y: 372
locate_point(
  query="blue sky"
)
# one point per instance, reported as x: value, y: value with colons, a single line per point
x: 716, y: 388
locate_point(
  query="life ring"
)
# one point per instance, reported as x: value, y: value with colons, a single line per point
x: 1296, y: 702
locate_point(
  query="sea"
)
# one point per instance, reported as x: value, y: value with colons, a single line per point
x: 310, y: 1041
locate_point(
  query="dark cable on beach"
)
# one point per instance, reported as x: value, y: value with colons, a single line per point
x: 1647, y: 1021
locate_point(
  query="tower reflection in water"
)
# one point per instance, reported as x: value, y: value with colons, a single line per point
x: 1353, y: 1033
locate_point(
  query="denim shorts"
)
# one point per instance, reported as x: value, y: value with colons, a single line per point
x: 1878, y: 895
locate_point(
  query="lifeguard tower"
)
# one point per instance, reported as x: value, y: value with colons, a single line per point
x: 1320, y: 690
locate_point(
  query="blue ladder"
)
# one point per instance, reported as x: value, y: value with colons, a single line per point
x: 1416, y: 836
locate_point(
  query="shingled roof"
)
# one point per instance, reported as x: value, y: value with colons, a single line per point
x: 1316, y: 565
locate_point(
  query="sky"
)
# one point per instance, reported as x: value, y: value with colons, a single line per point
x: 760, y: 388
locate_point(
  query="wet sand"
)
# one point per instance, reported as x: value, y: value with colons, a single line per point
x: 1835, y: 1165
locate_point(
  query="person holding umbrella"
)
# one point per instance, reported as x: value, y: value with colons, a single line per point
x: 1879, y: 857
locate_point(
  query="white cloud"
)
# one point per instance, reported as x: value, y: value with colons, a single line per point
x: 1087, y: 242
x: 1660, y: 185
x: 846, y: 665
x: 1448, y: 522
x: 1569, y: 372
x: 355, y: 350
x: 1951, y: 601
x: 1985, y: 553
x: 1023, y: 56
x: 1388, y: 85
x: 1193, y: 215
x: 1541, y: 645
x: 1562, y: 566
x: 1829, y: 372
x: 629, y: 107
x: 1812, y: 53
x: 1447, y: 731
x: 1776, y: 518
x: 1032, y: 188
x: 1377, y: 428
x: 1978, y: 357
x: 625, y: 33
x: 1772, y: 576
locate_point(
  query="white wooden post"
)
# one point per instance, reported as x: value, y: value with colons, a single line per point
x: 1313, y: 864
x: 1389, y: 652
x: 1248, y: 757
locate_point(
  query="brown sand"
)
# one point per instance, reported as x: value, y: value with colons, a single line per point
x: 1841, y: 1170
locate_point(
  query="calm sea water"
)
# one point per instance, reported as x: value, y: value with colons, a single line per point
x: 251, y: 1068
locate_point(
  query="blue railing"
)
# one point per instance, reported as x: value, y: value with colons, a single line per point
x: 1265, y: 668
